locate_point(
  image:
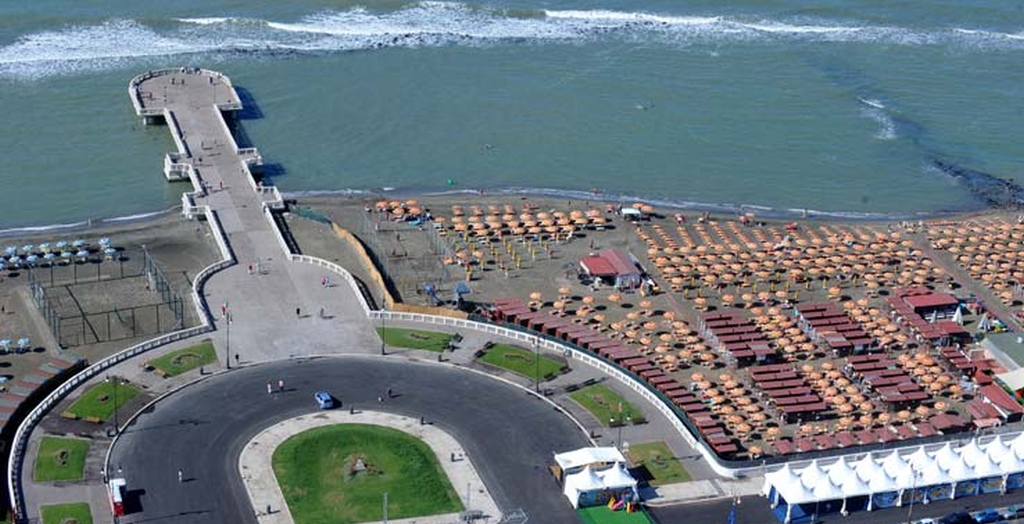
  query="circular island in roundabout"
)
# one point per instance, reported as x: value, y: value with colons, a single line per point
x: 506, y: 436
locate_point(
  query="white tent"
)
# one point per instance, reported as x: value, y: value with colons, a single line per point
x: 919, y: 458
x: 867, y: 468
x: 586, y: 456
x: 813, y: 476
x: 998, y: 451
x: 840, y: 472
x: 946, y: 457
x: 932, y: 475
x: 960, y: 472
x: 1017, y: 445
x: 788, y: 485
x: 971, y: 453
x: 894, y: 463
x: 582, y: 481
x: 985, y: 468
x: 616, y: 477
x: 1013, y: 379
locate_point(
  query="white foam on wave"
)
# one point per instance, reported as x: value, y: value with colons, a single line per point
x: 206, y: 21
x: 430, y: 23
x: 886, y: 125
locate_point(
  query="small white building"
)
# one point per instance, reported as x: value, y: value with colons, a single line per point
x: 592, y: 476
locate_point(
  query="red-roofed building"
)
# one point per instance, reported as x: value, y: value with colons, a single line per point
x: 614, y: 266
x: 1006, y: 404
x: 941, y: 305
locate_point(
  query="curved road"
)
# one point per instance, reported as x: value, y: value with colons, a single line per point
x: 509, y: 434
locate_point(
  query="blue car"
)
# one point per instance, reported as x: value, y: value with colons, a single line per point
x: 986, y: 515
x: 324, y: 399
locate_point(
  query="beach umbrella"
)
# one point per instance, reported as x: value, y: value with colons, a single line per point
x: 23, y: 344
x: 27, y: 248
x: 11, y: 251
x: 32, y: 259
x: 82, y: 253
x: 49, y: 257
x: 15, y: 261
x: 108, y: 251
x: 6, y: 344
x: 45, y: 247
x: 105, y: 241
x: 65, y: 254
x: 78, y: 243
x: 61, y: 245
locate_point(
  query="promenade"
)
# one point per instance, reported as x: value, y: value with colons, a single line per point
x: 261, y: 299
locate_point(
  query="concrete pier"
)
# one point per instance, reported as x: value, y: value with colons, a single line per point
x: 265, y: 288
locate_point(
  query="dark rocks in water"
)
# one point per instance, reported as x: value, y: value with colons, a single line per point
x: 993, y: 191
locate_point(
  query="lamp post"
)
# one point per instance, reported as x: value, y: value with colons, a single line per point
x: 385, y: 507
x: 383, y: 309
x: 913, y: 488
x: 536, y: 362
x: 227, y: 352
x: 113, y: 383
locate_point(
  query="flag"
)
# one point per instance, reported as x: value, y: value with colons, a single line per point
x: 732, y: 514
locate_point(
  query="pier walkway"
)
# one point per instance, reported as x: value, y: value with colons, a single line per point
x: 198, y: 105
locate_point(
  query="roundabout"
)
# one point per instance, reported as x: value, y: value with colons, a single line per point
x: 509, y: 434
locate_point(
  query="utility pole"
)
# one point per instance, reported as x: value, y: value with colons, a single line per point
x: 385, y: 507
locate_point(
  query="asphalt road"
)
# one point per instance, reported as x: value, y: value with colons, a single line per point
x: 510, y: 435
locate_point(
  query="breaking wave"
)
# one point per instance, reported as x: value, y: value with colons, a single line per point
x: 114, y: 43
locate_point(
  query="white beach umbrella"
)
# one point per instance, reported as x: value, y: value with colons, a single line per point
x: 82, y: 253
x: 49, y: 256
x: 31, y: 259
x: 23, y: 343
x: 44, y: 247
x: 11, y: 251
x: 27, y: 248
x: 6, y: 344
x: 61, y: 245
x: 105, y: 241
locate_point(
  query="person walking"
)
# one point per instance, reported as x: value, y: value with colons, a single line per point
x: 298, y: 313
x: 181, y: 476
x: 389, y: 393
x: 280, y: 384
x: 270, y: 389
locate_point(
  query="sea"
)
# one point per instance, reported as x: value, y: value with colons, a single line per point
x: 840, y: 108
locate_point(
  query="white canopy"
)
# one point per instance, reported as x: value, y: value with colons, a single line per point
x: 894, y: 463
x: 1013, y: 379
x: 933, y: 475
x: 840, y: 472
x: 961, y: 471
x: 867, y: 468
x: 946, y: 456
x: 986, y: 468
x: 971, y: 453
x: 616, y: 477
x: 919, y: 458
x: 586, y: 456
x: 1017, y: 445
x: 813, y: 476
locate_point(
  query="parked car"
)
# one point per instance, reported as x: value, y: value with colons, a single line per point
x: 324, y: 399
x: 960, y: 517
x: 986, y: 516
x: 1013, y: 512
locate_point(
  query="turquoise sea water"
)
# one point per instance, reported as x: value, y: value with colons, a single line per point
x: 844, y: 107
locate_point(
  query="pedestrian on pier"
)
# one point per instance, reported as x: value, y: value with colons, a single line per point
x: 270, y: 389
x: 389, y: 393
x: 181, y: 476
x: 280, y: 385
x: 220, y: 185
x: 298, y: 313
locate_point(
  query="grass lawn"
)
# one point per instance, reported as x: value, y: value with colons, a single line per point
x: 660, y: 461
x: 61, y: 513
x: 603, y: 515
x: 60, y: 459
x: 414, y: 338
x: 318, y: 471
x: 98, y: 401
x: 604, y: 404
x: 521, y: 361
x: 182, y: 360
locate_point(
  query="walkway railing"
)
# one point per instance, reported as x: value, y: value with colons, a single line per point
x: 20, y: 441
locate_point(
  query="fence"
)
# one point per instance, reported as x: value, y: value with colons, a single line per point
x: 18, y: 444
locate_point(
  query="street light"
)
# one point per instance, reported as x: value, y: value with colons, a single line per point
x: 536, y: 361
x: 227, y: 352
x: 913, y: 488
x: 385, y: 507
x: 383, y: 309
x: 113, y: 383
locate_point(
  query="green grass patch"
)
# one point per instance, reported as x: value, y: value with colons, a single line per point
x: 603, y: 515
x: 661, y: 463
x: 605, y: 405
x: 521, y: 361
x: 339, y: 474
x: 60, y: 459
x: 414, y: 339
x: 77, y: 512
x: 185, y: 359
x: 98, y: 402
